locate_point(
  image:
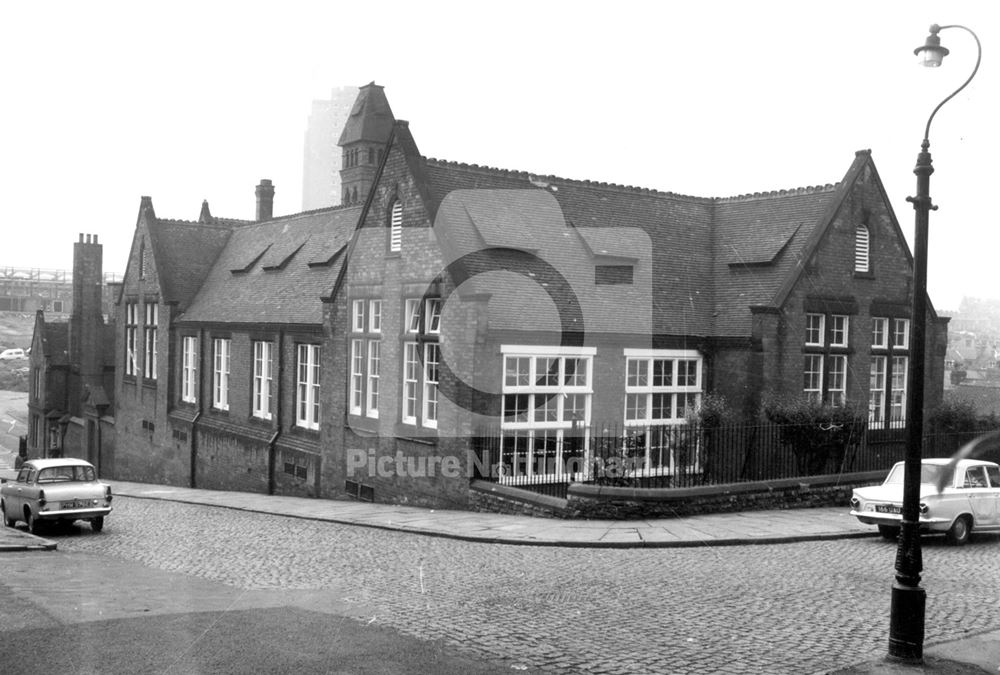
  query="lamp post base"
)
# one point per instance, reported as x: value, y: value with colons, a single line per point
x: 906, y: 625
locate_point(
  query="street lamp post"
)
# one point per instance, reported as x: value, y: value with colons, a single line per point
x: 906, y: 624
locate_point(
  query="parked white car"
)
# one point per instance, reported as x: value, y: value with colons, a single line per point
x: 969, y: 500
x: 55, y: 490
x: 13, y: 354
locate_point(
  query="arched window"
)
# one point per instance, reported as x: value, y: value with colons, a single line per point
x: 347, y: 196
x: 861, y: 249
x: 371, y: 155
x: 396, y: 226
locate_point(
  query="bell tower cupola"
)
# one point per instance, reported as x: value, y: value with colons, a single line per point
x: 363, y: 141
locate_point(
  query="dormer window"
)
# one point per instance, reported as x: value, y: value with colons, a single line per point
x: 396, y: 227
x: 862, y: 262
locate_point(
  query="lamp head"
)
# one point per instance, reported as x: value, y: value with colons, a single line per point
x: 931, y: 53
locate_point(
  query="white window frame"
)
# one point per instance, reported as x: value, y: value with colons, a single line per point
x: 411, y: 381
x: 263, y: 379
x: 520, y: 435
x: 421, y: 362
x: 358, y: 316
x: 412, y: 317
x: 221, y: 349
x: 649, y: 390
x: 815, y: 334
x: 880, y: 332
x: 307, y: 403
x: 901, y: 333
x: 898, y: 391
x: 357, y: 376
x: 432, y: 316
x: 373, y: 377
x: 189, y: 369
x: 837, y: 379
x: 366, y: 349
x: 876, y: 391
x: 131, y: 335
x: 151, y: 315
x: 812, y: 377
x: 840, y: 330
x: 431, y: 373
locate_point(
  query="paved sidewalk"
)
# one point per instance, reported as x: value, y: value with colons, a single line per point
x: 754, y: 527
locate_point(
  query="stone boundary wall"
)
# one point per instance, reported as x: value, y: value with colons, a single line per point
x: 623, y: 503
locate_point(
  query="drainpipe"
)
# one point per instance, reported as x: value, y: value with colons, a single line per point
x: 271, y: 450
x: 197, y: 414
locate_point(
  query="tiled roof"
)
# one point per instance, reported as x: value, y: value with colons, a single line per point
x: 713, y: 258
x: 55, y: 342
x: 284, y: 285
x: 759, y: 242
x: 184, y: 252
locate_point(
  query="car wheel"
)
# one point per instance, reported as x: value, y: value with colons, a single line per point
x: 97, y: 524
x: 34, y: 524
x: 889, y: 532
x: 960, y: 530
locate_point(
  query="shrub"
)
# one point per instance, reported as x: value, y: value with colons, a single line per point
x: 819, y: 434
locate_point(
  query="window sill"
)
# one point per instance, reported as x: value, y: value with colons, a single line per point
x: 364, y: 426
x: 303, y: 432
x: 415, y: 434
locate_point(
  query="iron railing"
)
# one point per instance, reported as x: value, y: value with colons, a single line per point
x: 691, y: 455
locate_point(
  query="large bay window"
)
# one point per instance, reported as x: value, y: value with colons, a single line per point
x: 546, y: 411
x: 661, y: 387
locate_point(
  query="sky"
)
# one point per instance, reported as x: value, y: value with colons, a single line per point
x: 104, y: 102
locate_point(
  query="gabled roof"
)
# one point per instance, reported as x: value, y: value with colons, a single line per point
x: 55, y: 341
x: 183, y: 253
x: 712, y: 258
x: 760, y: 241
x: 275, y: 271
x: 677, y: 227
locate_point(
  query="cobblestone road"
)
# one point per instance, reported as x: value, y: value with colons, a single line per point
x: 792, y: 608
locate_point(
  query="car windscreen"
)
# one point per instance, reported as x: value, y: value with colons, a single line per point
x: 929, y: 474
x: 66, y: 474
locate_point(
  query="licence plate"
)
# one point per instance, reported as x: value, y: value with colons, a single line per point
x: 887, y: 508
x: 77, y: 504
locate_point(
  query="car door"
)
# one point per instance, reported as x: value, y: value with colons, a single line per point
x: 980, y: 496
x: 14, y: 499
x: 993, y: 473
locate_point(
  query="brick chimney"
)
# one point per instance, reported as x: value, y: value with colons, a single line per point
x: 265, y: 200
x: 86, y: 319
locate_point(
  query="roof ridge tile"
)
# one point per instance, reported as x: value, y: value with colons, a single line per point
x: 514, y: 173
